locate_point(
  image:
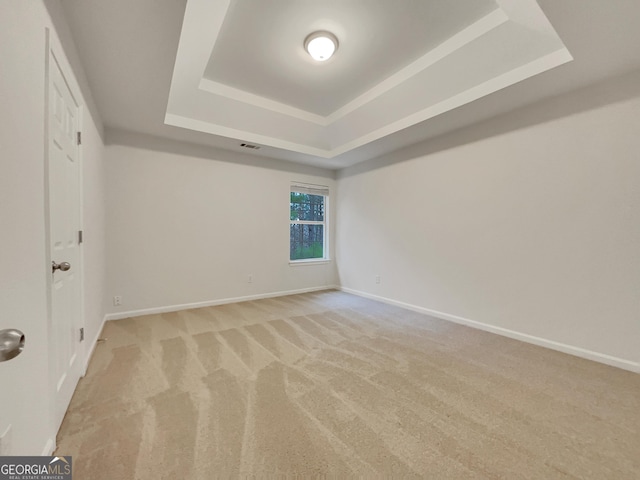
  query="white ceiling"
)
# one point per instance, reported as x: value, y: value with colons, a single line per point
x: 240, y: 72
x: 377, y: 38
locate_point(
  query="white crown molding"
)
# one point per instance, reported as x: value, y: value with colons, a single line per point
x: 416, y: 93
x: 263, y: 102
x: 493, y: 85
x: 535, y: 67
x: 457, y: 41
x: 202, y: 126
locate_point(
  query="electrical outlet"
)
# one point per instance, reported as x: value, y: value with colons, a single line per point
x: 117, y: 300
x: 377, y: 278
x: 251, y: 278
x: 5, y: 443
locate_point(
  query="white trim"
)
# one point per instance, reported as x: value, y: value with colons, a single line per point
x: 462, y: 38
x: 298, y: 187
x: 506, y: 79
x: 494, y: 84
x: 208, y: 127
x: 310, y: 261
x: 47, y: 231
x: 92, y: 346
x: 81, y: 249
x: 49, y: 447
x: 262, y: 102
x: 310, y: 188
x: 211, y: 303
x: 505, y: 332
x: 55, y: 55
x: 191, y: 95
x: 306, y: 222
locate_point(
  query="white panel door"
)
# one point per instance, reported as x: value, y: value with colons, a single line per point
x: 64, y: 218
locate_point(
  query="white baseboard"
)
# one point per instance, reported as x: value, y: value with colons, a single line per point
x: 211, y: 303
x: 92, y: 346
x: 523, y: 337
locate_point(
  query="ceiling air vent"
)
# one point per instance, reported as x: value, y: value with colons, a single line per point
x: 248, y: 145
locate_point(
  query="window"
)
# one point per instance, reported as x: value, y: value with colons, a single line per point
x: 308, y: 222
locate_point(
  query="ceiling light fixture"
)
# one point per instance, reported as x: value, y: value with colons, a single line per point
x: 321, y: 45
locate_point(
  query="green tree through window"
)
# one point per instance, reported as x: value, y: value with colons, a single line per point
x: 307, y: 228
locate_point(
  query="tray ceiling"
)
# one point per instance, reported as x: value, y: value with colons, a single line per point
x: 150, y: 60
x: 241, y: 70
x: 377, y: 38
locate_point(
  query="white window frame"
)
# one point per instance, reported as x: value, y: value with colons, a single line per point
x: 320, y: 190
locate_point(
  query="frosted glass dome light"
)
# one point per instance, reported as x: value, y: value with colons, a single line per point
x: 321, y: 45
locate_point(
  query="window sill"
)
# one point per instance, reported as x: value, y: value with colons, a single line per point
x: 300, y: 263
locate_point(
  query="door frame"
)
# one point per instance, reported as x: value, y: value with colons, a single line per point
x: 55, y: 53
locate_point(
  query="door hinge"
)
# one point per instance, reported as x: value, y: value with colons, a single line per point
x: 80, y: 236
x: 79, y: 138
x: 82, y: 334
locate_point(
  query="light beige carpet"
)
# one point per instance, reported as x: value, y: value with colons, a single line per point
x: 331, y: 385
